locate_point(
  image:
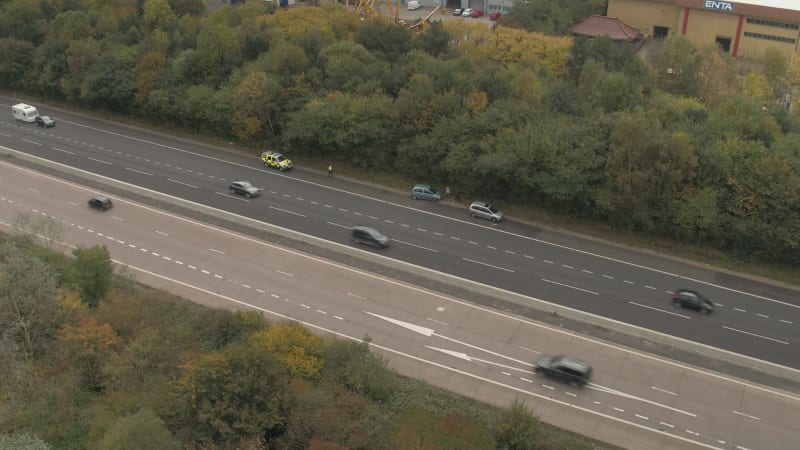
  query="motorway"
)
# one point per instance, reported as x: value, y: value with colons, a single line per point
x: 752, y: 318
x: 635, y: 401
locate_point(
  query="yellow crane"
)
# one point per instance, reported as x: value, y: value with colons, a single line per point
x: 368, y: 9
x: 419, y: 24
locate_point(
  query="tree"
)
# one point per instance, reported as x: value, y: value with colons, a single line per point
x: 91, y: 345
x: 22, y: 442
x: 15, y: 60
x: 27, y: 299
x: 237, y: 394
x: 717, y: 75
x: 38, y: 230
x: 109, y: 81
x: 757, y: 88
x: 354, y: 366
x: 434, y: 39
x: 386, y: 40
x: 555, y: 16
x: 93, y: 271
x: 517, y: 428
x: 145, y: 74
x: 614, y: 92
x: 159, y: 14
x: 143, y: 429
x: 743, y: 118
x: 675, y: 66
x: 295, y: 346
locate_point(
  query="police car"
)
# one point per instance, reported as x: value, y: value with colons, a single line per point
x: 276, y: 160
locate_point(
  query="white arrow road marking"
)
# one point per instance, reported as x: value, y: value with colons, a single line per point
x: 409, y: 326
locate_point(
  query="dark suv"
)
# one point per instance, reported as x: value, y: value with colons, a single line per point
x: 100, y: 202
x: 244, y: 188
x: 369, y: 236
x: 566, y: 368
x: 685, y: 298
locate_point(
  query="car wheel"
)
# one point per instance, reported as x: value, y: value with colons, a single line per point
x: 677, y: 304
x: 705, y: 311
x: 472, y: 214
x: 413, y: 197
x: 494, y: 219
x: 575, y: 383
x: 233, y: 191
x: 282, y: 169
x: 248, y: 195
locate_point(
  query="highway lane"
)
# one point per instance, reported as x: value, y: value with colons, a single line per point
x: 616, y: 283
x: 635, y: 401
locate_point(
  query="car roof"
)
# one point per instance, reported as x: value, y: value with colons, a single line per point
x: 101, y: 198
x: 572, y: 363
x: 422, y: 186
x: 480, y: 203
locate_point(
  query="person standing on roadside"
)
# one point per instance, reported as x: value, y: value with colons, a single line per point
x: 330, y: 169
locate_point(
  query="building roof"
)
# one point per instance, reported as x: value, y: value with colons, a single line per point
x: 612, y: 27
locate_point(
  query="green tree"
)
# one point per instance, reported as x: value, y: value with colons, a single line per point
x: 238, y: 394
x: 387, y: 40
x: 743, y: 118
x: 23, y: 20
x: 517, y: 428
x: 675, y: 66
x: 109, y: 82
x: 143, y: 429
x: 646, y: 168
x: 159, y: 14
x: 434, y: 39
x: 614, y: 92
x: 697, y: 216
x: 555, y: 16
x: 93, y: 272
x: 354, y: 366
x: 15, y: 61
x: 28, y: 311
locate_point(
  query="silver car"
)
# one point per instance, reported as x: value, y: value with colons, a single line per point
x: 485, y: 211
x: 245, y: 188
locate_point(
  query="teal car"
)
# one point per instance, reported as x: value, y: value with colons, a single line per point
x: 425, y: 192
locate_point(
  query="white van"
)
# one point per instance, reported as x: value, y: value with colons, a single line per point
x: 414, y: 4
x: 25, y: 113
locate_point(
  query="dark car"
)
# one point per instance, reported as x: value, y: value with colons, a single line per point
x: 100, y: 202
x: 685, y: 298
x: 45, y: 121
x: 566, y: 368
x: 245, y: 188
x: 370, y: 236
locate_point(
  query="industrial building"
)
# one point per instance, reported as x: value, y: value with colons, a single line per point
x: 744, y: 28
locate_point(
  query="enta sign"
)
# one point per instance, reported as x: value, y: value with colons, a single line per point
x: 718, y: 5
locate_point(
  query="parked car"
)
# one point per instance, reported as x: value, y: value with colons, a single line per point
x: 485, y: 211
x: 425, y: 192
x: 495, y: 16
x: 100, y: 202
x: 566, y: 368
x: 457, y: 11
x: 45, y: 121
x: 476, y: 13
x: 245, y: 188
x: 684, y: 298
x: 369, y: 236
x: 467, y: 12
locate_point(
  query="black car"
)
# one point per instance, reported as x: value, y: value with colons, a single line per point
x: 245, y: 188
x: 566, y: 368
x: 45, y: 121
x: 369, y: 236
x: 100, y: 202
x: 685, y: 298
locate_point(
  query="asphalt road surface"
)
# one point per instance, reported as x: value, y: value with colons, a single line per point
x: 756, y: 319
x: 635, y: 401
